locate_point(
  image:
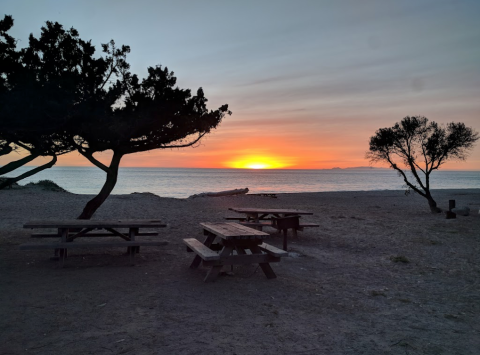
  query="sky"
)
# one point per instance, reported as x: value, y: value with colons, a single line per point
x: 308, y: 82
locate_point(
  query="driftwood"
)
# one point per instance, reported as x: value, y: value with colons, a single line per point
x: 222, y: 193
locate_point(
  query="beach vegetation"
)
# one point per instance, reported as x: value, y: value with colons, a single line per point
x: 415, y: 148
x: 9, y: 184
x: 47, y: 185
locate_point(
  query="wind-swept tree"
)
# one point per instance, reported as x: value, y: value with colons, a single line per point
x: 38, y: 88
x: 30, y: 123
x: 154, y: 114
x: 60, y: 97
x: 420, y: 147
x: 44, y: 90
x: 9, y: 56
x: 9, y: 64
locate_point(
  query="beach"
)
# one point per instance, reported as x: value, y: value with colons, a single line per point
x: 381, y: 275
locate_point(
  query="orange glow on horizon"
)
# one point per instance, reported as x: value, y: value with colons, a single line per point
x: 257, y: 162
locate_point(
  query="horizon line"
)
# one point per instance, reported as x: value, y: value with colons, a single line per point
x: 226, y: 168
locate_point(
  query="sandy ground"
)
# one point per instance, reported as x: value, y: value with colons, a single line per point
x: 341, y: 291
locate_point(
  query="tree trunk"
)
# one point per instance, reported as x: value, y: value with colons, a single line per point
x: 112, y: 174
x: 16, y: 164
x: 432, y: 204
x: 10, y: 181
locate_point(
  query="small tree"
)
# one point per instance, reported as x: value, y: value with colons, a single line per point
x: 421, y: 147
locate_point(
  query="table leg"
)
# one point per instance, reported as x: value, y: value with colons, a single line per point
x: 63, y: 256
x: 56, y: 252
x: 255, y: 218
x: 62, y: 253
x: 267, y: 269
x: 215, y: 270
x: 240, y: 250
x: 132, y: 232
x: 197, y: 259
x: 131, y: 252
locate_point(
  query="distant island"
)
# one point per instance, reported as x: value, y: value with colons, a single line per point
x: 360, y: 168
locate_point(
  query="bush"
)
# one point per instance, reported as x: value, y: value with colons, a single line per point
x: 13, y: 184
x: 47, y: 185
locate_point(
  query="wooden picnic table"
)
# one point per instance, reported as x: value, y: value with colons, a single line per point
x: 278, y: 218
x: 70, y: 230
x: 257, y: 214
x: 237, y: 245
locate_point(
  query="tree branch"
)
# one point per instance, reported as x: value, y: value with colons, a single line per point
x: 7, y: 149
x: 9, y: 182
x: 409, y: 184
x: 152, y: 146
x: 21, y: 145
x: 16, y: 164
x: 92, y: 160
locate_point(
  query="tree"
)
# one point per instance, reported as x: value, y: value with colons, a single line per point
x: 154, y: 114
x: 43, y: 89
x: 60, y: 97
x: 421, y: 147
x: 29, y: 123
x: 36, y: 93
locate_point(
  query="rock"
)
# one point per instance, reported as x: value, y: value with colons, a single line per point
x: 462, y: 211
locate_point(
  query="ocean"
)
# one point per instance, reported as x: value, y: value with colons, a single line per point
x: 184, y: 182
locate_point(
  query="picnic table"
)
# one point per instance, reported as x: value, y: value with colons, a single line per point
x: 281, y: 219
x: 70, y: 230
x: 237, y: 245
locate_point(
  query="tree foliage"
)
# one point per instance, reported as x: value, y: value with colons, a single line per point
x: 37, y: 92
x: 62, y: 97
x: 46, y: 88
x: 155, y: 115
x: 420, y: 147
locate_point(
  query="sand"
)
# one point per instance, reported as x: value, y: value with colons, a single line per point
x: 343, y: 290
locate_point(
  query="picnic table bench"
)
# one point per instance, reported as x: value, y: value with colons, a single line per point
x: 237, y: 245
x: 70, y: 230
x: 282, y: 219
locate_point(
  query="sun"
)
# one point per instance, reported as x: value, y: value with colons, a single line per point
x: 257, y: 166
x: 257, y: 162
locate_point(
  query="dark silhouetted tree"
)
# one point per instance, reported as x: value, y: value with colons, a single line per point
x: 417, y: 146
x: 45, y: 88
x: 153, y: 114
x: 37, y: 90
x: 61, y: 97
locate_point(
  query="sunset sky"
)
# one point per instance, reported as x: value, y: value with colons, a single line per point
x: 308, y: 81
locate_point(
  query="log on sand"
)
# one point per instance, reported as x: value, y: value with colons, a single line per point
x: 222, y: 193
